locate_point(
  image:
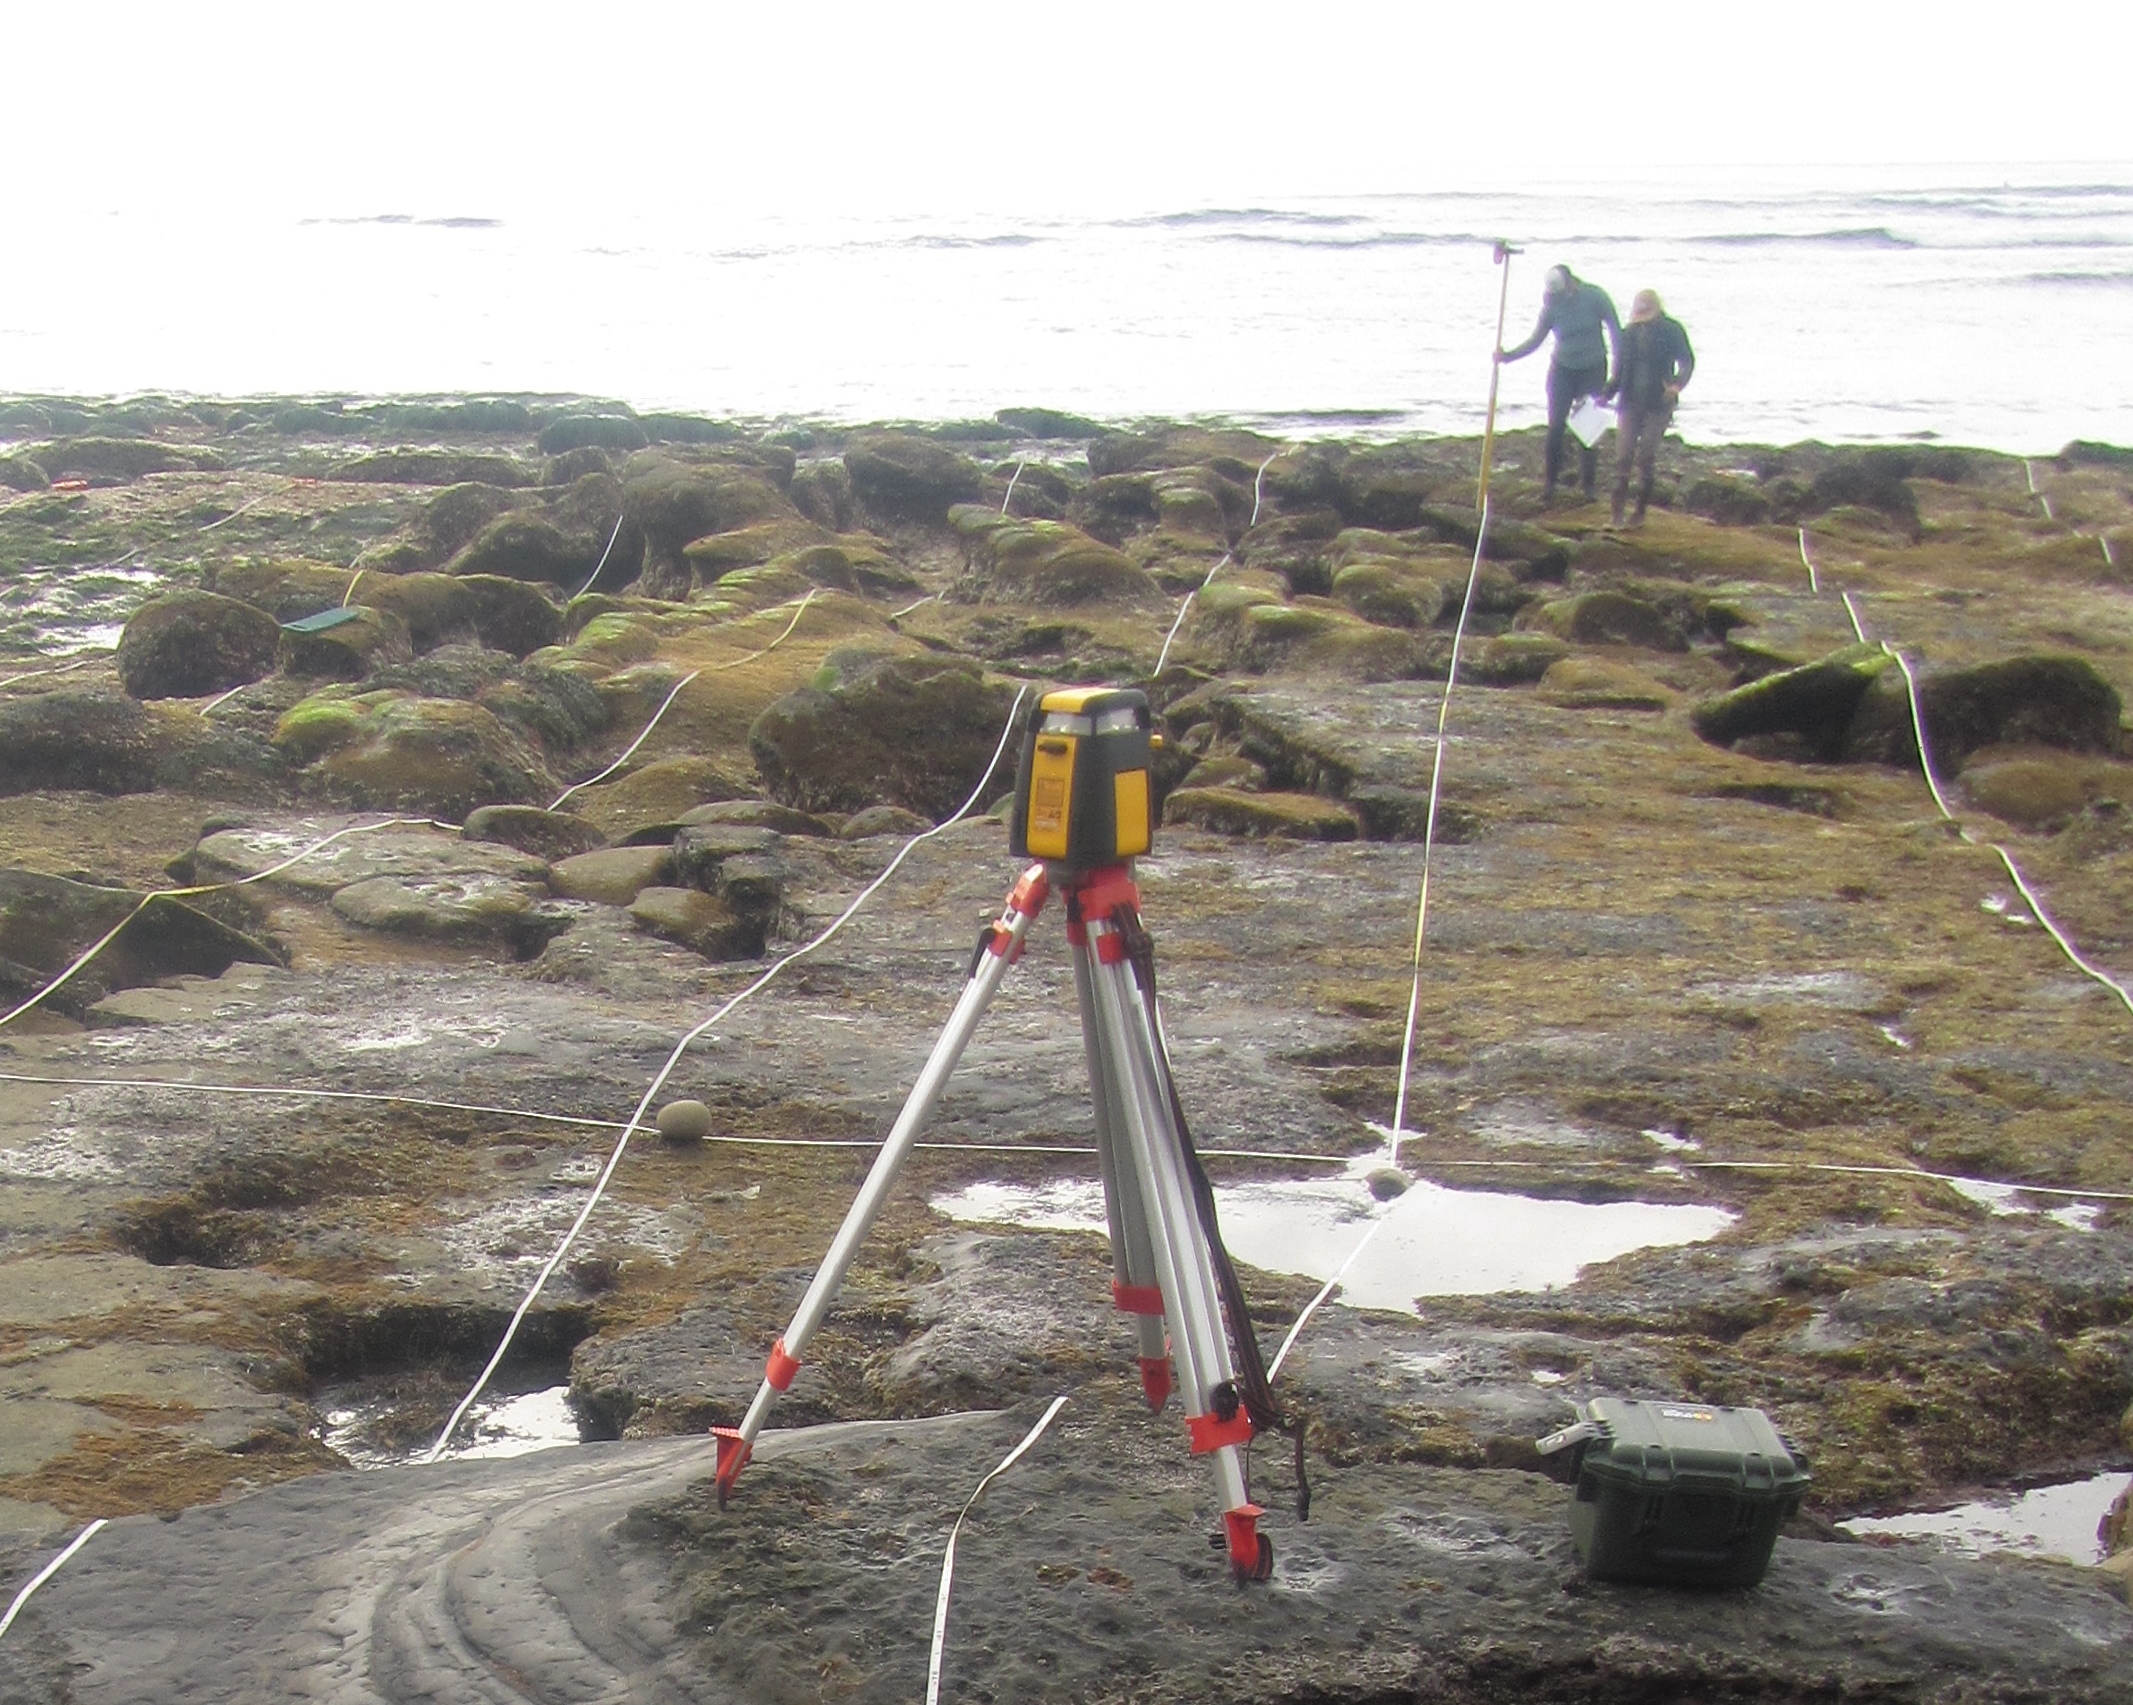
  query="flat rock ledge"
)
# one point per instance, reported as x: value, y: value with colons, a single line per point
x: 608, y: 1572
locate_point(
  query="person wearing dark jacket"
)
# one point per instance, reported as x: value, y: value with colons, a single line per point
x: 1583, y: 320
x: 1653, y: 361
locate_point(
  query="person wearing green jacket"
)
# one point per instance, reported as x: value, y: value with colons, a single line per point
x: 1653, y: 361
x: 1582, y: 319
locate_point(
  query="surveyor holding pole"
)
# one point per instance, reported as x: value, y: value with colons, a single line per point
x: 1582, y: 318
x: 1653, y: 361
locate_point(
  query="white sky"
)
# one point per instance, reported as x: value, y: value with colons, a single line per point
x: 372, y: 106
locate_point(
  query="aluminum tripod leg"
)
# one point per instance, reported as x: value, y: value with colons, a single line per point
x: 1135, y: 1286
x: 1153, y: 1153
x: 1001, y: 947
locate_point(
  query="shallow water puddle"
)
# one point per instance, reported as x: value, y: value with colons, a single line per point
x: 1436, y: 1242
x: 509, y: 1424
x: 2046, y: 1521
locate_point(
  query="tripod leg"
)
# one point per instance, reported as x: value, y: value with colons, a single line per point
x: 1000, y: 948
x: 1134, y: 1284
x: 1214, y: 1418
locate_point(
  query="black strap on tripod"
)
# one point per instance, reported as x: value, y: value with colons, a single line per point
x: 1254, y: 1389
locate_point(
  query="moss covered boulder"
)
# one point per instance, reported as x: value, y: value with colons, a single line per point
x: 1600, y: 683
x: 1044, y: 562
x: 2034, y: 700
x: 99, y: 742
x: 1231, y: 811
x: 1513, y: 659
x: 672, y: 504
x: 701, y: 922
x: 570, y: 432
x: 526, y: 544
x: 1253, y: 630
x: 368, y: 638
x: 1392, y: 593
x: 663, y: 791
x: 19, y: 473
x: 47, y: 921
x: 449, y: 906
x: 118, y: 459
x: 916, y: 732
x: 188, y: 644
x: 1810, y: 707
x: 397, y: 751
x: 547, y: 835
x: 441, y: 528
x: 898, y: 476
x: 613, y: 875
x: 435, y: 467
x: 1607, y: 617
x: 2038, y: 787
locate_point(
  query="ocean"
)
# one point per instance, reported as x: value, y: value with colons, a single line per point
x: 1970, y: 305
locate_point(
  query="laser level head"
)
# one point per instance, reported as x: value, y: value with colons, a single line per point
x: 1082, y: 794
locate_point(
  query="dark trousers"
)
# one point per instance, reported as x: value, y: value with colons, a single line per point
x: 1637, y: 435
x: 1565, y: 386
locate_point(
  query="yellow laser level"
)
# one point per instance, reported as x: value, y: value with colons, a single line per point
x: 1082, y: 798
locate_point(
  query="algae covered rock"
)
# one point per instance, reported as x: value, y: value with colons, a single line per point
x: 1607, y: 617
x: 441, y: 528
x: 2038, y: 787
x: 591, y: 431
x: 1598, y: 683
x: 613, y: 875
x: 122, y: 459
x: 882, y: 820
x: 1230, y: 811
x: 47, y: 921
x: 1812, y: 704
x: 2035, y: 700
x: 1512, y: 659
x: 397, y: 751
x: 548, y: 835
x: 757, y: 813
x: 525, y: 544
x: 447, y: 906
x: 1044, y: 562
x: 364, y: 639
x: 1391, y: 593
x: 1256, y: 631
x: 100, y: 742
x: 188, y: 644
x: 902, y: 477
x: 672, y: 503
x: 701, y: 922
x: 435, y: 467
x: 916, y: 732
x: 662, y: 791
x: 19, y: 473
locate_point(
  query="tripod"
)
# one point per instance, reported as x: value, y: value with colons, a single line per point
x: 1164, y: 1248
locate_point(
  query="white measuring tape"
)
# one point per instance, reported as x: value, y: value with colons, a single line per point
x: 940, y: 1600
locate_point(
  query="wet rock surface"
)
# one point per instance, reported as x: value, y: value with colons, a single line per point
x: 1084, y: 1574
x: 1667, y: 963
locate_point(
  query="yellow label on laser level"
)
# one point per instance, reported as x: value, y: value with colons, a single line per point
x: 1129, y: 790
x: 1051, y: 795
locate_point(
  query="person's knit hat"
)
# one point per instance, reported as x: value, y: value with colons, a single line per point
x: 1644, y: 306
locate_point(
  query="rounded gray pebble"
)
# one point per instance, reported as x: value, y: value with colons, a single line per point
x: 684, y: 1121
x: 1385, y: 1183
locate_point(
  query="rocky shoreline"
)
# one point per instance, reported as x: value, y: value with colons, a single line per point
x: 1698, y: 934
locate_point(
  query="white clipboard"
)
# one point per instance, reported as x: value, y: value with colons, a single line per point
x: 1589, y: 419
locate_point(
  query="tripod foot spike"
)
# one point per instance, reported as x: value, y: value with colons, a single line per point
x: 733, y: 1453
x: 1251, y: 1553
x: 1155, y: 1381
